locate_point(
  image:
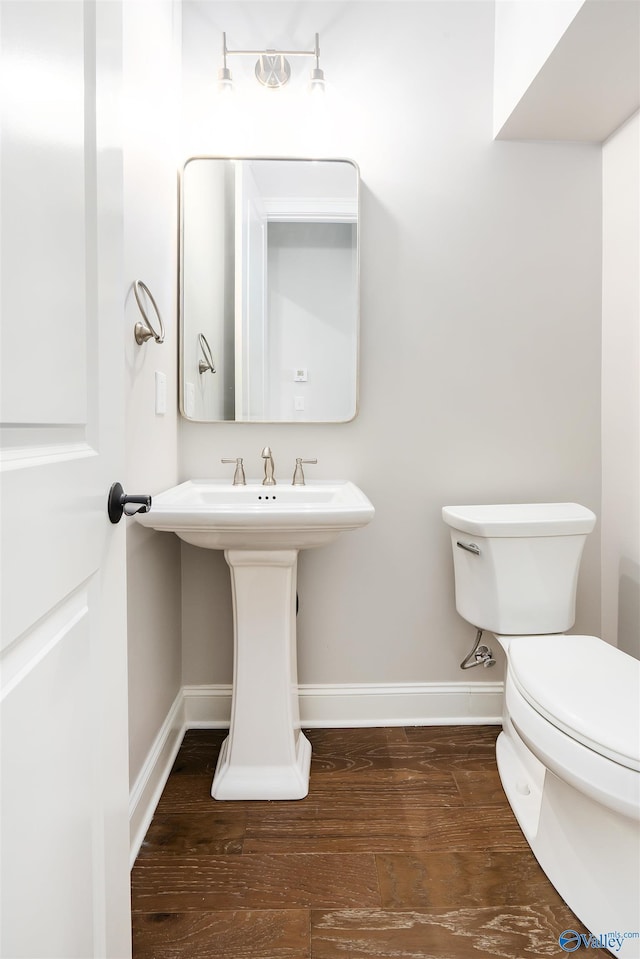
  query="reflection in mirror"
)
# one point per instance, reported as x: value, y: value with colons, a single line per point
x: 269, y: 290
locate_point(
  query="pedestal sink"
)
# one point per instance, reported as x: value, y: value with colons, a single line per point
x: 261, y: 529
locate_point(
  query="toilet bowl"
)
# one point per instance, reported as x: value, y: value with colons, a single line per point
x: 569, y: 761
x: 569, y: 752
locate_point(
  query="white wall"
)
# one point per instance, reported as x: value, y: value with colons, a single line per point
x: 621, y: 389
x: 480, y: 348
x: 151, y: 91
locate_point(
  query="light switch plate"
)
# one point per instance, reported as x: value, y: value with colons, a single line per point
x: 161, y: 393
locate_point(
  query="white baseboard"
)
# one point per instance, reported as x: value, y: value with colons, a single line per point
x: 401, y: 704
x: 147, y: 789
x: 366, y: 704
x: 321, y: 706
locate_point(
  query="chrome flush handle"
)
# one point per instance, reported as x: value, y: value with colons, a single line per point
x: 470, y: 547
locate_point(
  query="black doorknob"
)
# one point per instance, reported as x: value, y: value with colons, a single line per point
x: 118, y: 501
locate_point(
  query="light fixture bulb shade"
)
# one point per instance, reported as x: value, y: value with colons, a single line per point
x: 225, y: 82
x: 316, y: 84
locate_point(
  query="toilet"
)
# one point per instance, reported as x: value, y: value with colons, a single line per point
x: 569, y: 751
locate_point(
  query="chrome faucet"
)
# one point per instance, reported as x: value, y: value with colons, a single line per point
x: 269, y: 478
x: 239, y: 478
x: 298, y: 474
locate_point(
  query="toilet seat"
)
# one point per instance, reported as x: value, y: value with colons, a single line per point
x: 585, y: 688
x: 605, y: 782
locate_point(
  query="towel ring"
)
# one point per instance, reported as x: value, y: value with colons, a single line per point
x: 207, y: 362
x: 144, y: 331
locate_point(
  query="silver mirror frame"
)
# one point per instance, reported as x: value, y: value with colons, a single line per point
x: 181, y: 323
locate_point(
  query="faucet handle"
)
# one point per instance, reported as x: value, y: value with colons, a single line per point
x: 239, y: 479
x: 298, y: 473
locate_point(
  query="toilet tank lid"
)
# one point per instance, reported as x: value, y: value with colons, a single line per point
x: 521, y: 519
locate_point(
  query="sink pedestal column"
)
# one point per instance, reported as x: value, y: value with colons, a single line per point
x: 265, y: 756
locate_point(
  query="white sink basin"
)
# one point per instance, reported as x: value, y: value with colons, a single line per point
x: 216, y: 515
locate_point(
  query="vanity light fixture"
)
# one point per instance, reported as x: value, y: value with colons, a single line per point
x: 272, y: 66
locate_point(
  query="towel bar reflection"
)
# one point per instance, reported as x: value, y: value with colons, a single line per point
x: 206, y: 363
x: 143, y: 331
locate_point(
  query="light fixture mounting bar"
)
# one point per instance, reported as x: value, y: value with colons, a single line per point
x: 277, y: 53
x: 226, y: 52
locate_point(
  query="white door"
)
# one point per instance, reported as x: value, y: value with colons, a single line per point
x: 64, y: 788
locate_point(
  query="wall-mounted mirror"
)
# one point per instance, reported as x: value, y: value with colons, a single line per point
x: 269, y: 290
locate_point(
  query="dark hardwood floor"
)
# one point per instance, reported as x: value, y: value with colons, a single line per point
x: 405, y: 847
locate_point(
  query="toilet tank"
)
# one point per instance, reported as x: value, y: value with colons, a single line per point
x: 516, y: 565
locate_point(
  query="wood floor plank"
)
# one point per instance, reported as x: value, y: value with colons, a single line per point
x: 191, y: 793
x: 392, y: 830
x: 372, y: 790
x: 346, y: 741
x: 197, y: 740
x: 455, y: 740
x: 339, y: 753
x: 254, y: 882
x: 226, y: 934
x: 478, y: 762
x: 210, y: 833
x: 328, y: 835
x: 464, y: 878
x: 456, y: 829
x: 511, y: 932
x: 403, y: 759
x: 479, y: 787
